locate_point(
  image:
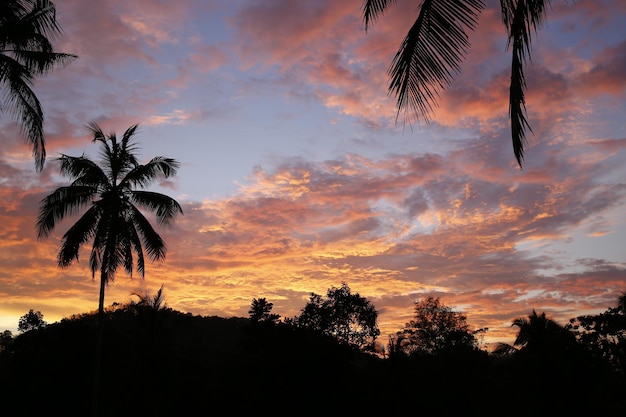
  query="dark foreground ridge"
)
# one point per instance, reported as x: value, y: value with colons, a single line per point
x: 167, y: 363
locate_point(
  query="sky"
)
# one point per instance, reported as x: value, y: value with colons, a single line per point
x: 296, y: 175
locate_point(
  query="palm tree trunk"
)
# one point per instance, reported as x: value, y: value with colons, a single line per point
x: 98, y: 357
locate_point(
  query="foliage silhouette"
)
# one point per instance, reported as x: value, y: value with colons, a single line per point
x: 432, y: 51
x: 182, y: 363
x: 434, y: 329
x: 167, y: 363
x: 604, y: 335
x: 347, y: 317
x: 6, y: 338
x: 32, y: 320
x: 27, y: 28
x: 261, y: 311
x: 146, y: 301
x: 549, y: 359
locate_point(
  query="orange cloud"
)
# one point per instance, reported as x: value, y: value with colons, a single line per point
x: 461, y: 222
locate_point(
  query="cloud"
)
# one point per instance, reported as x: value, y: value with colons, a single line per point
x: 458, y: 220
x: 395, y: 228
x: 606, y: 74
x: 305, y: 226
x: 176, y: 117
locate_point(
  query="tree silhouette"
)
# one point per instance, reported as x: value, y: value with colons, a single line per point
x: 349, y: 318
x: 32, y: 320
x: 539, y: 334
x: 6, y: 337
x: 240, y: 369
x: 435, y: 328
x: 27, y: 28
x: 113, y: 221
x: 261, y: 311
x: 604, y: 335
x: 432, y: 51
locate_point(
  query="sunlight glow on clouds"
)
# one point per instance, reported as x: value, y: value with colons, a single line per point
x: 284, y: 104
x: 176, y: 117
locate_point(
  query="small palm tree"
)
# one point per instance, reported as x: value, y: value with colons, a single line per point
x: 434, y: 47
x: 154, y: 302
x: 113, y: 221
x: 26, y: 30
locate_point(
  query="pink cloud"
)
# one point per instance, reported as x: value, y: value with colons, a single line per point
x: 607, y: 74
x: 460, y: 224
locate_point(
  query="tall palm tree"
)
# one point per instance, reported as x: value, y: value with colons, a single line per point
x: 435, y: 45
x: 26, y: 30
x: 113, y: 221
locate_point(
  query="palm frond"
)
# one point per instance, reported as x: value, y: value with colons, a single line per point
x: 154, y: 245
x: 522, y: 336
x: 135, y: 241
x: 63, y: 202
x: 504, y: 349
x: 42, y: 17
x: 106, y: 152
x: 82, y: 231
x: 25, y: 52
x: 24, y: 105
x: 431, y: 54
x: 125, y: 152
x: 521, y: 18
x: 141, y: 264
x: 82, y: 169
x: 164, y: 207
x: 127, y: 142
x: 125, y: 250
x: 42, y: 61
x: 95, y: 260
x: 144, y: 175
x: 98, y: 134
x: 155, y: 302
x: 372, y: 9
x: 108, y: 239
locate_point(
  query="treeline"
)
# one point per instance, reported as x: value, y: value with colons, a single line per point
x: 157, y: 361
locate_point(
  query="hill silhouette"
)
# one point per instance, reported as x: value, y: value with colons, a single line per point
x: 168, y: 363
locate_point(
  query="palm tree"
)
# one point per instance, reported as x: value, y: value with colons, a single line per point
x: 434, y: 47
x: 540, y: 335
x: 26, y: 30
x: 537, y: 335
x: 113, y: 221
x: 154, y: 302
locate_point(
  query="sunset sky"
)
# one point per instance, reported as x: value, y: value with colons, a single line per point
x: 295, y: 176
